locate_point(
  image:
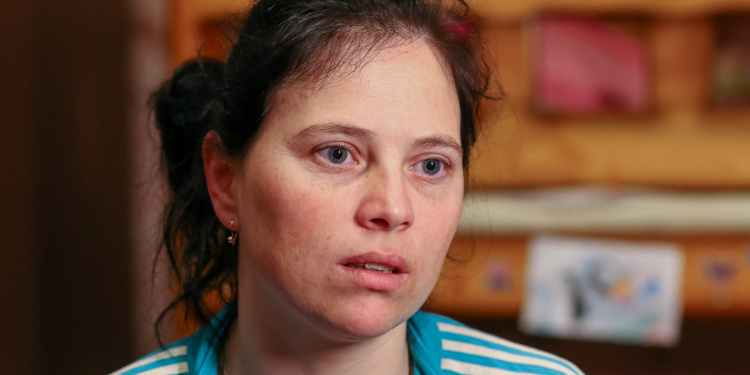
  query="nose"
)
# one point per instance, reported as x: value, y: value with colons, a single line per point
x: 386, y: 205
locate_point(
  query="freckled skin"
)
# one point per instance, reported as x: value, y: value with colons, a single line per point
x: 300, y: 215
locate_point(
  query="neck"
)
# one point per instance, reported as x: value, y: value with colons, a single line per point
x: 275, y: 344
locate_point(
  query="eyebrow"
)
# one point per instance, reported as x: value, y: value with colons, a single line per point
x: 335, y: 128
x: 439, y: 141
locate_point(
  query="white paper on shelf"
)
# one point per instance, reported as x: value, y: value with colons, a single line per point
x: 603, y: 290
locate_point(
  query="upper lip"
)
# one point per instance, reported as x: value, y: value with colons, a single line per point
x: 390, y: 260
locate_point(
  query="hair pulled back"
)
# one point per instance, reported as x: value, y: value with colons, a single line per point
x: 284, y: 42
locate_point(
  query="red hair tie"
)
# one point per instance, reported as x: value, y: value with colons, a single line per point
x: 460, y: 30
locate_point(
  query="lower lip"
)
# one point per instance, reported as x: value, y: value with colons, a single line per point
x: 375, y: 281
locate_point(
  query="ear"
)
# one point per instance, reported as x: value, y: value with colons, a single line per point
x: 220, y: 176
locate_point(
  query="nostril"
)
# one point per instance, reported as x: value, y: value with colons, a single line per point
x: 387, y: 225
x: 380, y: 223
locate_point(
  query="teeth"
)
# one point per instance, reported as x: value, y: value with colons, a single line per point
x: 374, y: 267
x: 378, y: 268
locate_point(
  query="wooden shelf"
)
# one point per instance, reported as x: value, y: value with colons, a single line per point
x: 694, y: 154
x: 680, y: 143
x: 464, y: 288
x: 604, y: 211
x: 511, y: 9
x: 505, y: 10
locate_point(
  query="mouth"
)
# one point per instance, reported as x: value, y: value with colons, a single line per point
x: 376, y: 271
x: 373, y: 267
x: 385, y: 263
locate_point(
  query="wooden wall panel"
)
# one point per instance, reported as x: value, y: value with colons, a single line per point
x: 82, y: 185
x: 63, y: 196
x: 19, y: 314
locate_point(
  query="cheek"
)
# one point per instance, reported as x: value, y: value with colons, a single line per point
x: 441, y: 214
x: 439, y: 223
x: 290, y: 216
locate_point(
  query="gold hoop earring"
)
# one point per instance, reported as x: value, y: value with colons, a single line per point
x: 232, y: 239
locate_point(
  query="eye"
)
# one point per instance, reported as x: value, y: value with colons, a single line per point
x: 431, y: 166
x: 337, y: 155
x: 432, y: 169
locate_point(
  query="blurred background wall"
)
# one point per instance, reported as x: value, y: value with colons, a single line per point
x: 65, y: 187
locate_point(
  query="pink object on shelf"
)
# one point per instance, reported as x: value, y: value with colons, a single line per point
x: 587, y: 66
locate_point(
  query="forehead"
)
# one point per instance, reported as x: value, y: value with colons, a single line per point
x: 403, y: 85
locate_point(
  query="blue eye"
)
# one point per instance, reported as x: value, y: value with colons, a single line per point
x: 337, y: 155
x: 432, y: 167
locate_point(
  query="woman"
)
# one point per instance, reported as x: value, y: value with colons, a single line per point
x: 318, y: 178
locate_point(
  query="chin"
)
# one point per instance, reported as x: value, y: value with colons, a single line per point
x: 369, y: 321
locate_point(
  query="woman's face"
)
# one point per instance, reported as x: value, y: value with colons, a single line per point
x: 349, y: 196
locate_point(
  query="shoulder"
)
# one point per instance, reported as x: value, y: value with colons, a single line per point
x: 457, y: 348
x: 171, y: 360
x: 194, y: 355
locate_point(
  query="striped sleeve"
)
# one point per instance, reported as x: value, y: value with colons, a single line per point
x: 469, y: 351
x: 170, y: 361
